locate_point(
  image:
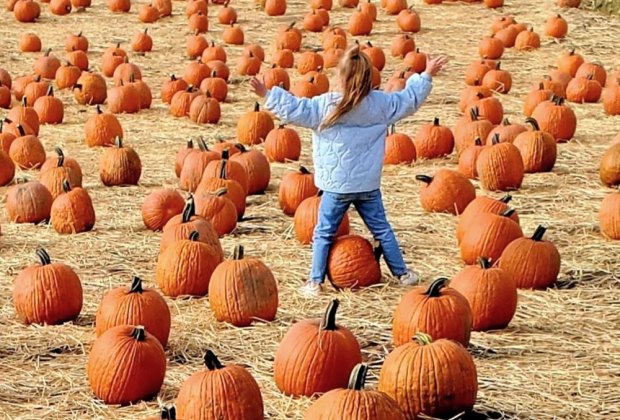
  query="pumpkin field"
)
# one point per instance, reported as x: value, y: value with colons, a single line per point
x: 121, y: 117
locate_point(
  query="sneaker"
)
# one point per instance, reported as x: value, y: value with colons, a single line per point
x: 409, y: 278
x: 311, y: 289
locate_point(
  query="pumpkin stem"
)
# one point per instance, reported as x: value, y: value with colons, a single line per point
x: 505, y: 122
x: 50, y: 91
x: 44, y: 257
x: 220, y: 192
x: 146, y: 30
x: 434, y: 290
x: 538, y: 233
x: 79, y: 35
x: 118, y: 142
x: 329, y: 319
x: 241, y: 147
x: 424, y: 178
x: 98, y: 109
x: 256, y: 107
x: 358, y: 377
x: 189, y: 210
x: 508, y: 213
x: 224, y: 164
x: 24, y: 102
x: 47, y: 53
x: 77, y: 86
x: 392, y: 129
x: 423, y: 339
x: 138, y: 333
x: 436, y: 121
x: 531, y: 121
x: 168, y: 413
x: 136, y: 285
x: 495, y: 139
x: 211, y: 361
x: 304, y: 170
x: 506, y: 198
x: 190, y: 144
x: 473, y: 113
x: 194, y: 236
x: 238, y: 252
x: 66, y: 187
x: 61, y: 156
x: 202, y: 144
x: 22, y: 131
x: 478, y: 141
x: 484, y: 262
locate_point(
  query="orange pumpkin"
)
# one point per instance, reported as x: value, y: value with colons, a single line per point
x: 282, y: 144
x: 609, y: 220
x: 306, y: 219
x: 254, y: 126
x: 72, y: 212
x: 447, y: 191
x: 399, y: 148
x: 500, y: 167
x: 49, y: 108
x: 482, y: 204
x: 554, y: 117
x: 353, y: 263
x: 433, y: 141
x: 29, y: 202
x: 538, y: 149
x: 294, y: 188
x: 160, y: 206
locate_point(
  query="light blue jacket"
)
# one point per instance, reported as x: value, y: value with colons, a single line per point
x: 348, y: 156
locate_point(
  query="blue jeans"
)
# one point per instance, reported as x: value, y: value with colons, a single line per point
x: 369, y: 205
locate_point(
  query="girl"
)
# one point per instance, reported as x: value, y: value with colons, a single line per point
x: 348, y: 142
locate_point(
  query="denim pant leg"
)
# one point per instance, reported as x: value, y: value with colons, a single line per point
x: 370, y: 208
x: 331, y: 213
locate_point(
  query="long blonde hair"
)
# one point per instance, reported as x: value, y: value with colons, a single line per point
x: 356, y: 77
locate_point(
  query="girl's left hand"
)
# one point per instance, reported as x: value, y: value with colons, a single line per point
x: 258, y: 87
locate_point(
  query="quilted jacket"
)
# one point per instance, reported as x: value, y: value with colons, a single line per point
x: 348, y: 156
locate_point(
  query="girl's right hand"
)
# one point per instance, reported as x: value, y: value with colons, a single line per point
x: 258, y: 87
x: 434, y: 65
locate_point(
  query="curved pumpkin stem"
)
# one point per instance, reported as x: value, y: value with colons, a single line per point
x: 424, y: 178
x: 539, y: 233
x: 61, y: 156
x: 211, y: 361
x: 221, y: 192
x: 506, y: 199
x: 189, y: 210
x: 66, y: 186
x: 392, y: 129
x: 436, y: 121
x: 50, y: 91
x: 531, y: 121
x: 224, y: 164
x: 118, y: 142
x: 238, y: 252
x: 136, y: 285
x: 168, y: 413
x: 329, y: 319
x: 358, y: 377
x: 423, y: 339
x: 304, y: 170
x: 241, y: 147
x: 484, y: 262
x: 202, y: 144
x: 194, y: 236
x: 434, y: 290
x: 44, y: 257
x: 508, y: 213
x: 138, y: 333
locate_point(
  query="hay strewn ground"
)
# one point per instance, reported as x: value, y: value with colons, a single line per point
x: 559, y: 358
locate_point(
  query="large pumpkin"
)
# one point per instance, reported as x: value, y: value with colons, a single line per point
x: 316, y: 355
x: 126, y: 364
x: 307, y: 216
x: 556, y: 119
x: 294, y: 188
x: 538, y: 149
x: 243, y: 290
x: 47, y: 293
x: 220, y: 392
x: 282, y: 144
x: 219, y: 210
x: 102, y: 128
x: 438, y: 309
x: 433, y: 141
x: 491, y: 293
x: 254, y: 126
x: 533, y: 262
x: 119, y: 165
x: 437, y: 378
x: 28, y: 202
x: 447, y: 191
x: 160, y: 206
x: 134, y: 305
x: 353, y: 263
x: 72, y: 212
x: 354, y: 402
x: 609, y: 216
x: 500, y: 167
x: 482, y: 204
x: 256, y: 167
x: 399, y: 148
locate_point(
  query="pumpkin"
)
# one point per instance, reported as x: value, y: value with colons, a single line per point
x: 294, y: 188
x: 489, y: 236
x: 67, y: 76
x: 27, y: 151
x: 205, y: 109
x: 491, y: 293
x: 164, y: 7
x: 90, y: 89
x: 584, y: 89
x: 172, y: 86
x: 29, y: 42
x: 102, y: 129
x: 309, y: 61
x: 160, y: 206
x: 196, y: 45
x: 401, y: 45
x: 142, y: 42
x: 47, y: 293
x: 491, y: 47
x: 229, y: 169
x: 473, y: 93
x: 447, y: 191
x: 433, y: 140
x: 23, y: 115
x: 119, y: 6
x: 534, y: 98
x: 124, y: 99
x: 234, y: 190
x: 19, y: 85
x: 438, y: 309
x: 6, y: 138
x: 360, y: 24
x: 275, y: 7
x: 215, y: 86
x: 489, y: 108
x: 316, y: 355
x: 475, y: 71
x: 399, y: 148
x: 288, y: 38
x: 214, y: 52
x: 227, y: 14
x: 60, y: 7
x: 416, y: 61
x: 220, y: 392
x: 500, y: 167
x: 538, y: 149
x: 533, y: 262
x: 596, y: 70
x: 319, y: 79
x: 469, y: 129
x: 119, y: 165
x: 284, y: 59
x: 185, y: 267
x: 195, y: 72
x: 46, y: 65
x: 72, y: 212
x: 527, y: 41
x: 29, y: 202
x: 313, y: 21
x: 468, y: 159
x: 233, y: 35
x: 198, y: 23
x: 569, y: 62
x: 609, y: 216
x: 5, y: 97
x: 53, y: 177
x: 134, y: 306
x: 252, y: 284
x: 354, y: 402
x: 482, y: 204
x: 556, y: 118
x: 219, y: 69
x: 148, y: 13
x: 507, y: 35
x: 26, y: 11
x: 256, y: 166
x: 7, y: 168
x: 126, y: 364
x: 125, y: 72
x: 506, y: 131
x: 502, y: 22
x: 611, y: 99
x: 181, y: 225
x: 609, y: 168
x: 195, y: 6
x: 306, y: 219
x: 396, y: 83
x: 408, y: 20
x: 436, y: 378
x: 181, y: 101
x: 498, y: 80
x: 282, y: 144
x: 334, y: 37
x: 230, y: 146
x: 248, y: 64
x: 35, y: 90
x: 568, y: 3
x: 556, y: 26
x: 254, y: 126
x: 219, y: 210
x: 353, y: 263
x: 321, y: 4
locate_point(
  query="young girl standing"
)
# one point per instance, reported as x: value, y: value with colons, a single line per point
x: 348, y: 144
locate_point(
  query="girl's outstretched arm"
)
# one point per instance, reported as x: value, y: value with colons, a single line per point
x: 303, y: 112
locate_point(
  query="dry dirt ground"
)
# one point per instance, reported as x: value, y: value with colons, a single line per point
x: 560, y: 356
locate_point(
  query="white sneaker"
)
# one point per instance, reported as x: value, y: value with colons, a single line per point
x: 409, y: 278
x: 311, y: 289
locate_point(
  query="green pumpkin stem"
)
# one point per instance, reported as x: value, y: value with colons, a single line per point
x: 194, y: 236
x: 422, y: 339
x: 238, y: 252
x: 539, y: 233
x: 189, y: 210
x: 44, y: 257
x: 329, y: 319
x: 358, y: 377
x: 506, y: 199
x: 61, y: 156
x: 484, y: 262
x: 424, y: 178
x: 136, y: 285
x: 211, y: 361
x: 138, y: 333
x: 434, y: 290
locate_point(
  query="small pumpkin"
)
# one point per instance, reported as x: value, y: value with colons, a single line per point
x: 402, y: 44
x: 7, y: 168
x: 284, y: 59
x: 469, y: 129
x: 597, y: 71
x: 609, y: 168
x: 119, y: 165
x: 538, y: 149
x: 72, y: 212
x: 142, y: 42
x: 56, y: 170
x: 433, y: 140
x: 556, y: 26
x: 256, y: 166
x: 229, y: 168
x: 306, y: 219
x: 527, y: 41
x: 447, y: 191
x: 608, y: 216
x: 25, y: 116
x: 506, y: 131
x: 102, y: 129
x: 472, y: 93
x: 26, y: 11
x: 205, y: 109
x: 47, y: 65
x: 309, y: 61
x: 476, y: 70
x: 491, y: 47
x: 34, y: 90
x: 29, y: 42
x: 500, y: 167
x: 27, y: 151
x: 148, y: 13
x: 29, y: 202
x: 288, y: 38
x: 234, y: 190
x: 60, y: 7
x: 569, y: 62
x: 233, y: 35
x: 489, y: 108
x: 119, y: 6
x: 360, y: 24
x: 611, y: 99
x: 507, y: 35
x: 534, y: 98
x: 67, y: 75
x: 215, y: 86
x: 90, y: 89
x: 294, y: 188
x: 254, y: 126
x: 399, y: 149
x: 160, y: 206
x: 227, y: 14
x: 181, y: 101
x: 353, y: 263
x: 498, y: 80
x: 282, y: 144
x: 219, y: 210
x: 196, y: 44
x: 408, y: 20
x: 584, y: 90
x: 468, y: 159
